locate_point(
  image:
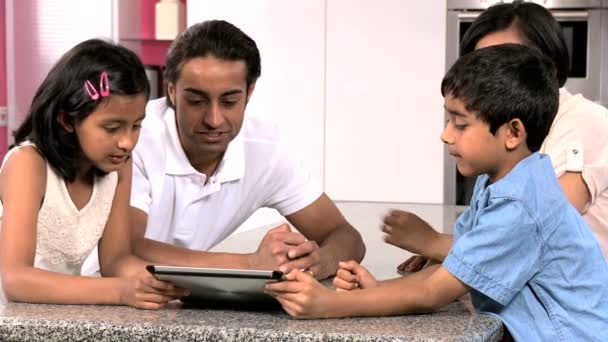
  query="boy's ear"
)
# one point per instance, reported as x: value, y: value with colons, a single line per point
x: 516, y: 134
x: 61, y: 119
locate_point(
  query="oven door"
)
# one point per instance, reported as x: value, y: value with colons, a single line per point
x: 586, y: 39
x: 582, y: 31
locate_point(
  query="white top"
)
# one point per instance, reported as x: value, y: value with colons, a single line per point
x: 257, y: 171
x: 578, y: 142
x: 65, y: 236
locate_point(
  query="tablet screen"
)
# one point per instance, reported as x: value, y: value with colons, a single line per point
x: 219, y: 284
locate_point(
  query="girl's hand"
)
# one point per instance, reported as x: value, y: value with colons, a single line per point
x: 145, y: 291
x: 352, y: 276
x: 302, y: 296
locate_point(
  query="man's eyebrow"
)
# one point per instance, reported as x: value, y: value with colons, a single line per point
x: 232, y: 92
x: 204, y: 94
x: 196, y: 92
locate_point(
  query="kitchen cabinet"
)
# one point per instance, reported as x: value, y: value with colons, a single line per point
x: 384, y: 112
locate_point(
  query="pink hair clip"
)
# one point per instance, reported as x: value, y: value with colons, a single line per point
x: 104, y: 87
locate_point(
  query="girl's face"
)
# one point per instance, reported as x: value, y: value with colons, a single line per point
x: 108, y: 135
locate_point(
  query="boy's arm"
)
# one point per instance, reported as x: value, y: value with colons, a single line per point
x: 424, y: 292
x: 430, y: 289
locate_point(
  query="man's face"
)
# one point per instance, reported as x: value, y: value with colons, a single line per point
x: 209, y: 98
x: 469, y: 140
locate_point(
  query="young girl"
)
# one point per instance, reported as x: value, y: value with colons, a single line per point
x: 64, y: 187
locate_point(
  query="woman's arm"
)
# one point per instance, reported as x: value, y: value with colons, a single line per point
x: 575, y: 189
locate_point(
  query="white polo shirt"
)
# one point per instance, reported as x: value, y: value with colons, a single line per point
x: 256, y: 171
x: 578, y: 142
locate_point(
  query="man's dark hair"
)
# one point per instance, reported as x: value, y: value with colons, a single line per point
x: 217, y: 38
x: 504, y: 82
x: 534, y: 23
x: 62, y: 93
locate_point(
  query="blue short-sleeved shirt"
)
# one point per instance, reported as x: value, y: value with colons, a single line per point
x: 530, y: 258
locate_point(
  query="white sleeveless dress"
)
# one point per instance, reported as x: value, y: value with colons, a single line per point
x: 65, y: 235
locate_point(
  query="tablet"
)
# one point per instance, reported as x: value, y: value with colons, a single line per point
x: 214, y: 285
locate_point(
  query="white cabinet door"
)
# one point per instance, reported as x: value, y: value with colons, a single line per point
x: 384, y: 111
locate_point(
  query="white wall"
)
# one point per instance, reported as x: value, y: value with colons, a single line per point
x: 38, y: 33
x: 384, y: 114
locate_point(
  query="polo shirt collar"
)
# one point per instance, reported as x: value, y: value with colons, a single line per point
x: 230, y: 168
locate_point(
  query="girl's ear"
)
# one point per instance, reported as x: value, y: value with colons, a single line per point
x: 516, y: 134
x: 61, y: 119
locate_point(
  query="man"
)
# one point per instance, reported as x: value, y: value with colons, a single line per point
x: 201, y: 168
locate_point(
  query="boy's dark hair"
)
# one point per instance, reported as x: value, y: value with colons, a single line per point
x: 504, y: 82
x: 218, y: 38
x: 63, y: 92
x: 534, y: 23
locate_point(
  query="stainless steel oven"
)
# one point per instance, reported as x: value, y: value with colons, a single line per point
x: 585, y: 27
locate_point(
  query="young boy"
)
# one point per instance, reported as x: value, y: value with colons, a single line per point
x: 521, y: 249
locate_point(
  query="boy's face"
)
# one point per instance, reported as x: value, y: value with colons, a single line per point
x: 469, y: 140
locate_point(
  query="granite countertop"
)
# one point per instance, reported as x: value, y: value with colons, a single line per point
x: 455, y: 322
x: 32, y: 322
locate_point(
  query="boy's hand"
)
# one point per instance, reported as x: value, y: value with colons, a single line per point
x: 145, y: 291
x: 352, y: 276
x: 408, y: 231
x: 414, y: 264
x: 301, y: 295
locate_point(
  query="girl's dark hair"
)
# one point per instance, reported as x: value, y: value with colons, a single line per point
x: 504, y: 82
x: 536, y: 25
x: 63, y: 92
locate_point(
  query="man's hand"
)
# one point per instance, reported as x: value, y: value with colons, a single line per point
x: 285, y: 250
x: 410, y: 232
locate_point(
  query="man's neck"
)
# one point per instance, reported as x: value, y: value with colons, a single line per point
x: 206, y: 165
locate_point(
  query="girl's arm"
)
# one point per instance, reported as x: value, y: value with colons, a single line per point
x: 115, y: 252
x: 22, y: 187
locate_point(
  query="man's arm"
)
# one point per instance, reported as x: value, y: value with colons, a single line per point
x: 164, y: 253
x: 322, y: 224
